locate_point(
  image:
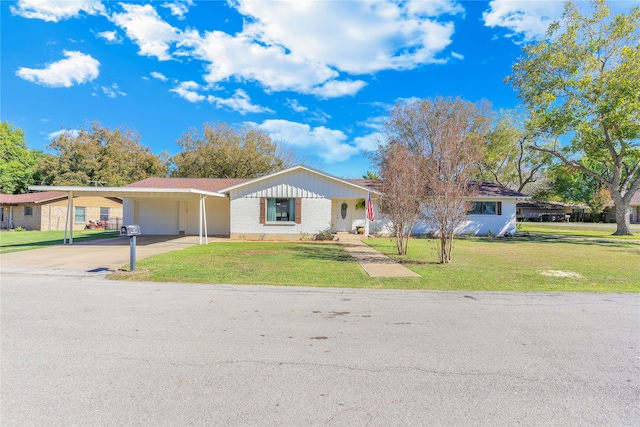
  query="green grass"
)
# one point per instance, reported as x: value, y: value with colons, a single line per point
x: 14, y: 241
x: 518, y: 264
x: 600, y: 231
x: 514, y: 264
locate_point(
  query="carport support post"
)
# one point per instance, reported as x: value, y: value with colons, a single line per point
x: 69, y: 219
x: 204, y: 219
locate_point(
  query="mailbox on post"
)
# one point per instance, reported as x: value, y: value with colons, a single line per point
x: 132, y: 231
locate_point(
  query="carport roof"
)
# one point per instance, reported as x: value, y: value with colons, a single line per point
x: 129, y: 191
x: 203, y: 184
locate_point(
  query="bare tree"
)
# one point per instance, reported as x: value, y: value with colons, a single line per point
x: 448, y: 134
x: 290, y: 156
x: 403, y: 189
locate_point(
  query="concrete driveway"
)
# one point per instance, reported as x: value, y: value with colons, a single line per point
x: 96, y: 256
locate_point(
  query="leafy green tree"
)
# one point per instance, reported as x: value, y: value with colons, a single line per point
x: 370, y: 175
x: 571, y: 185
x: 509, y: 159
x: 581, y: 82
x: 223, y: 151
x: 100, y: 156
x: 17, y: 161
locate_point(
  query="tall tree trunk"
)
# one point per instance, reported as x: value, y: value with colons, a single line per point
x: 623, y: 223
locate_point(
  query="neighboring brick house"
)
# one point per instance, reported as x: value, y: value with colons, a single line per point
x: 634, y: 210
x: 48, y: 211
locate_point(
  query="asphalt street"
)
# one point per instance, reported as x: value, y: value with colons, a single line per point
x: 81, y: 350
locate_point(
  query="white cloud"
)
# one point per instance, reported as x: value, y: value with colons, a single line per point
x: 243, y: 59
x: 328, y: 144
x: 434, y: 8
x: 457, y: 55
x: 144, y: 26
x: 376, y: 122
x: 239, y: 102
x: 187, y: 90
x: 369, y: 142
x: 527, y: 20
x: 71, y: 132
x: 179, y: 8
x: 110, y: 36
x: 336, y: 88
x: 76, y: 69
x: 113, y: 91
x: 159, y: 76
x: 309, y: 47
x: 295, y: 106
x: 54, y: 11
x: 353, y: 36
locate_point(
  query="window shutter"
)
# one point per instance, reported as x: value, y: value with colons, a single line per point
x: 499, y: 208
x: 298, y: 211
x: 263, y: 209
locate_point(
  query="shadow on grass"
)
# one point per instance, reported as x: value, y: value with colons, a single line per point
x: 54, y: 242
x: 324, y: 252
x: 554, y: 239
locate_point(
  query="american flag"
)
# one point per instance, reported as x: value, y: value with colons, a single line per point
x: 370, y: 214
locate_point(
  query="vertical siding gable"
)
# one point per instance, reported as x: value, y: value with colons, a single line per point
x: 298, y: 184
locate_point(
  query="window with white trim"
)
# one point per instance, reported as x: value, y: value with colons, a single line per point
x: 80, y: 214
x: 104, y: 214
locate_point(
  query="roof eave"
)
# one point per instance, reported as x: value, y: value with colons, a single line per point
x: 271, y: 175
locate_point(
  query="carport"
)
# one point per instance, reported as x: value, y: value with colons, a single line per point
x: 152, y: 200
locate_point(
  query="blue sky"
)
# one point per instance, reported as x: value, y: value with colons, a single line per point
x: 318, y: 76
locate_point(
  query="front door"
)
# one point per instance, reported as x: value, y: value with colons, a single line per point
x: 342, y: 216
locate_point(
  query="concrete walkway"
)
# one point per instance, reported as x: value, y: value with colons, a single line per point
x: 372, y: 261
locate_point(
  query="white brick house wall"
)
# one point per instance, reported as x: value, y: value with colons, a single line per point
x: 245, y: 219
x: 478, y: 225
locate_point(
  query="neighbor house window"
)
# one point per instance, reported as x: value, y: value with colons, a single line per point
x: 486, y: 208
x: 104, y: 214
x: 81, y: 215
x: 28, y: 210
x: 274, y: 209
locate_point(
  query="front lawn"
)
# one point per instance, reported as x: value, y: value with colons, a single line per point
x: 14, y: 241
x: 515, y: 264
